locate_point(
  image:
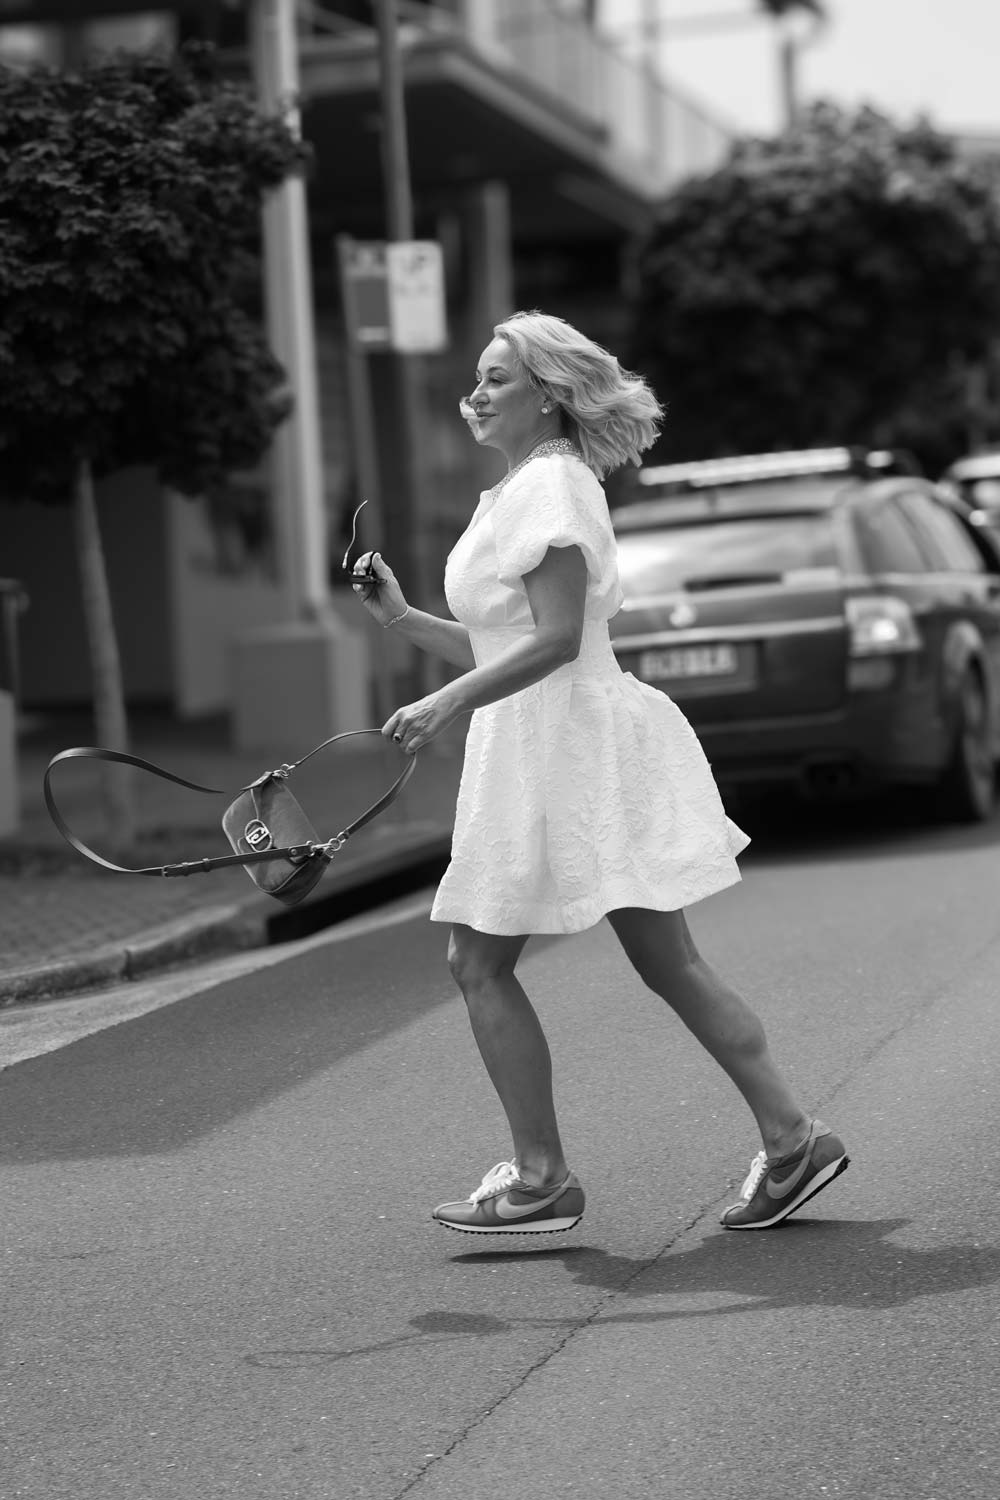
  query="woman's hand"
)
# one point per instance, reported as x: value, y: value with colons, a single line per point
x: 383, y: 601
x: 417, y: 723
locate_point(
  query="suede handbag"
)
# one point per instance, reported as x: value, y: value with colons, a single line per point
x: 270, y: 834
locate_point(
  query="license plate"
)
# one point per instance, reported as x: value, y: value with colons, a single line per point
x: 678, y: 662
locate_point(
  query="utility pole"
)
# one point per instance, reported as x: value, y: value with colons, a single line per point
x: 395, y: 145
x: 401, y: 495
x: 401, y: 509
x: 299, y: 515
x: 798, y: 23
x: 305, y: 677
x: 788, y: 74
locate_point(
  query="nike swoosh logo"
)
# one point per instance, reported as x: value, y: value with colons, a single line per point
x: 507, y: 1210
x: 782, y: 1189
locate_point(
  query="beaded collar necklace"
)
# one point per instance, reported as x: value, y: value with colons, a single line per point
x: 541, y: 450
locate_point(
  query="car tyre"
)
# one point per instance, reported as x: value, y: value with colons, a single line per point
x: 967, y: 790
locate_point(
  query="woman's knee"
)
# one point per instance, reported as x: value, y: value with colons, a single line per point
x: 477, y: 958
x: 658, y: 945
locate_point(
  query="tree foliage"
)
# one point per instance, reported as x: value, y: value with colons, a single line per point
x: 834, y: 284
x: 129, y: 214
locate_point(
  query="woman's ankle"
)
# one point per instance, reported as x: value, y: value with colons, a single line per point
x: 784, y: 1139
x: 541, y: 1169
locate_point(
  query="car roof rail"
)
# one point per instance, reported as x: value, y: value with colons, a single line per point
x: 750, y: 467
x: 975, y: 466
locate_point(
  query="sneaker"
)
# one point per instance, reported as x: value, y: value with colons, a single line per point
x: 774, y: 1189
x: 503, y: 1204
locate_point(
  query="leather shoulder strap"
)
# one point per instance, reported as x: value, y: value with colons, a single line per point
x: 213, y: 862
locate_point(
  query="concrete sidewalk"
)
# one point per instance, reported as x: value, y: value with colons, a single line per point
x: 67, y: 926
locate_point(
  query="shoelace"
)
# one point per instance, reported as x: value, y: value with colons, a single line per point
x: 757, y: 1169
x: 497, y: 1178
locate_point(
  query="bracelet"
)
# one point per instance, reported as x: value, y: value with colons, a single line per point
x: 397, y: 619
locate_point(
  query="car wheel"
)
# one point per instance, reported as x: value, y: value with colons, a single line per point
x: 967, y: 790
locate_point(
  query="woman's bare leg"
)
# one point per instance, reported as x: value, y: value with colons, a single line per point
x: 661, y: 949
x: 513, y: 1047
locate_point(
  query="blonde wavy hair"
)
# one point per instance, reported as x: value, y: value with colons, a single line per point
x: 610, y: 412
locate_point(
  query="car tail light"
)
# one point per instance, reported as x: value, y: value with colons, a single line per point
x: 881, y: 625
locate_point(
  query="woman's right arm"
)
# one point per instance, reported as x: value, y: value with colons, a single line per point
x: 386, y: 604
x: 445, y: 638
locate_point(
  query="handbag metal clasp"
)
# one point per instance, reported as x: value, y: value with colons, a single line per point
x: 258, y: 835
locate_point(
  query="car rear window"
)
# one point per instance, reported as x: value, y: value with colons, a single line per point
x: 714, y: 552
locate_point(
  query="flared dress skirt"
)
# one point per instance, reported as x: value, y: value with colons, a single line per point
x: 588, y: 791
x: 584, y: 793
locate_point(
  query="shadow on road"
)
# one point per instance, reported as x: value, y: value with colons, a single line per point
x: 849, y: 1264
x: 845, y: 1263
x: 188, y: 1069
x: 806, y: 1263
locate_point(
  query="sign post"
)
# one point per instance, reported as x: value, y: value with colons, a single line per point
x: 393, y: 299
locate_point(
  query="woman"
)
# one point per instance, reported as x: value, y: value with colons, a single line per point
x: 584, y: 793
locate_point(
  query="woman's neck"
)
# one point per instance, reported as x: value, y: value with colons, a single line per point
x: 543, y: 434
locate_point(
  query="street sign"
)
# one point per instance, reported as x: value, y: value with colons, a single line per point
x: 364, y: 283
x: 393, y: 295
x: 416, y: 296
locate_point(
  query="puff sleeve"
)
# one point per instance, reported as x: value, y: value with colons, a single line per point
x: 555, y: 502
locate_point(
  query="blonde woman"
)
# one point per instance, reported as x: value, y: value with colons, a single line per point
x: 585, y: 793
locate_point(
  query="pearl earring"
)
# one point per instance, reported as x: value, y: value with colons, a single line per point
x: 545, y: 410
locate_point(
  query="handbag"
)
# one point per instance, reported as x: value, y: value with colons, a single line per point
x: 270, y: 834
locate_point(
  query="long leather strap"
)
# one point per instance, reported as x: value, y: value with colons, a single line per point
x: 218, y: 861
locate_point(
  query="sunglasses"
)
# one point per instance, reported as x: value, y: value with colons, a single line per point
x: 358, y: 575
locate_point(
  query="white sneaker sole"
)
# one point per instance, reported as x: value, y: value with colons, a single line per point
x: 829, y: 1172
x: 543, y: 1226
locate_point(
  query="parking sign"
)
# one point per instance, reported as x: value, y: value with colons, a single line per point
x: 415, y: 274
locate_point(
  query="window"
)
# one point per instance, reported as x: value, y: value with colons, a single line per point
x: 732, y: 549
x: 942, y: 537
x: 888, y: 542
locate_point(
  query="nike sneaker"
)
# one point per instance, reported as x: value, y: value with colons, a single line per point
x: 503, y: 1204
x: 776, y: 1188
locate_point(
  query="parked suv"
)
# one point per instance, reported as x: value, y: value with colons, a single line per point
x: 975, y: 481
x: 824, y: 618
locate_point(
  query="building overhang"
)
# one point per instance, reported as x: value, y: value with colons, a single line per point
x: 468, y: 122
x: 472, y: 117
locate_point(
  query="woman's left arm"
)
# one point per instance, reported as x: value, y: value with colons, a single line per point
x: 556, y: 591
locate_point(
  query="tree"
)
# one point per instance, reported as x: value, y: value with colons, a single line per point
x: 129, y: 217
x: 835, y: 284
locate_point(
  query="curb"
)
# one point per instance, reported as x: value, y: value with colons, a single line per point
x: 221, y: 929
x: 369, y: 879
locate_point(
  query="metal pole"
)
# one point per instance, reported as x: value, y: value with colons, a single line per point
x: 395, y: 147
x: 359, y: 396
x: 401, y: 507
x: 299, y: 511
x: 788, y: 57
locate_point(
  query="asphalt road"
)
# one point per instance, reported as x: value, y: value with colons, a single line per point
x: 221, y: 1279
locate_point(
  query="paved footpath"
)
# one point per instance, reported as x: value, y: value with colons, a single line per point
x: 66, y: 925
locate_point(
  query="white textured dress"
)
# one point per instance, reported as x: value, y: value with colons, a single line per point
x: 589, y: 790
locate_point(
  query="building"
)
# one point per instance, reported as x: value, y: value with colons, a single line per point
x: 537, y: 152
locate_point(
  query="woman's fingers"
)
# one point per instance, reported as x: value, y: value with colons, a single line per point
x: 395, y: 730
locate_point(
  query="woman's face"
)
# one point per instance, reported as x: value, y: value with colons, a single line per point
x: 506, y: 409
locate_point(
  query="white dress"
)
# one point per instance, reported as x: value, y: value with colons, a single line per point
x: 589, y: 790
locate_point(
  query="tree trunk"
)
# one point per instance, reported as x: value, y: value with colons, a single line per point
x: 105, y: 664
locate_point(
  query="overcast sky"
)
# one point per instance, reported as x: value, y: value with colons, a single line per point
x: 939, y: 57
